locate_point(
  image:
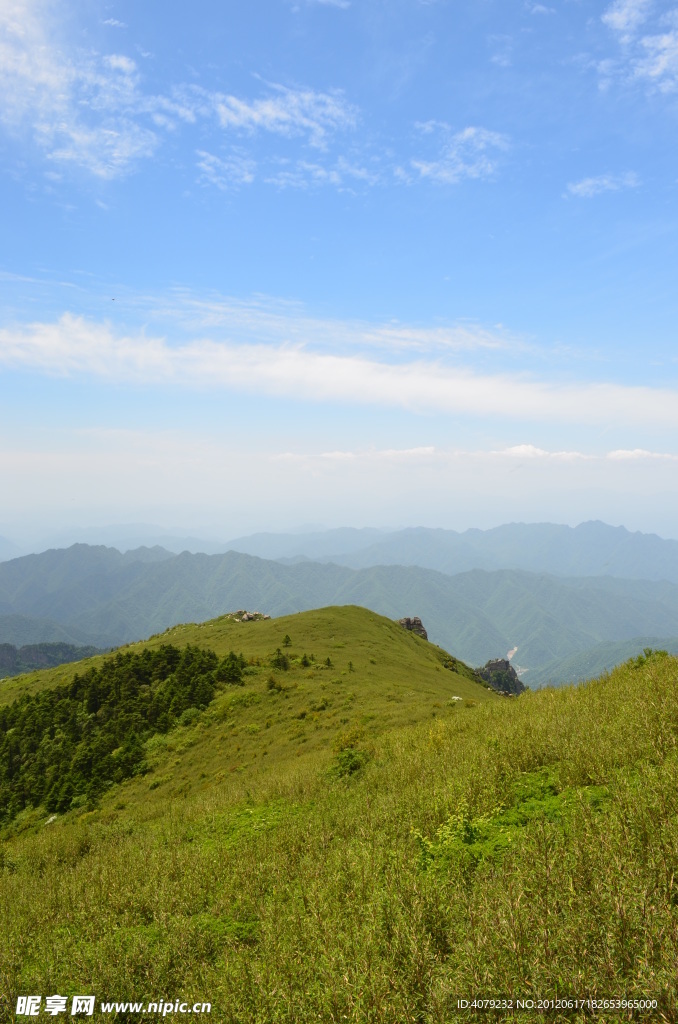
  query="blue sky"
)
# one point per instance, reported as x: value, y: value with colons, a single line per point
x: 338, y: 261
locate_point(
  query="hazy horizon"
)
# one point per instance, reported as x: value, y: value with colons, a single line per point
x: 128, y: 535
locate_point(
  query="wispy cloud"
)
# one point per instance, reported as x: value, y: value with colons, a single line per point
x: 658, y: 61
x: 648, y: 34
x: 78, y: 108
x: 74, y: 346
x: 304, y: 174
x: 278, y: 322
x: 288, y: 112
x: 225, y: 174
x: 530, y: 451
x: 587, y: 188
x: 433, y: 454
x: 343, y: 4
x: 94, y: 111
x: 91, y: 110
x: 470, y: 153
x: 626, y: 16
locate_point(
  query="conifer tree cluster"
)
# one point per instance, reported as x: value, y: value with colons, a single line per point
x: 66, y: 746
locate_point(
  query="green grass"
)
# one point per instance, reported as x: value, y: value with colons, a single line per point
x: 395, y: 679
x: 513, y: 847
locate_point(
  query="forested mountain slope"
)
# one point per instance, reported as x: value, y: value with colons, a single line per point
x: 107, y: 599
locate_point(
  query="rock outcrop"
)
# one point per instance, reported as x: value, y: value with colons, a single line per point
x: 245, y: 616
x: 414, y: 625
x: 501, y: 676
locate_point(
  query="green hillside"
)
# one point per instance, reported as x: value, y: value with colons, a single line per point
x: 308, y: 679
x: 352, y: 844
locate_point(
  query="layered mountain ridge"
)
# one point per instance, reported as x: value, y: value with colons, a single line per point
x: 98, y: 596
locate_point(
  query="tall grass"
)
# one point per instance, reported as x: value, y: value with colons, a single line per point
x: 514, y: 849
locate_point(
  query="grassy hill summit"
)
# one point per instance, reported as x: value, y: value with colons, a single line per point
x: 344, y: 825
x: 327, y: 680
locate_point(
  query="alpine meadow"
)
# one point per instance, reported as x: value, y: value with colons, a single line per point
x: 339, y: 511
x: 348, y: 827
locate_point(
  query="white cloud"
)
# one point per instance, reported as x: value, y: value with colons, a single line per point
x: 304, y: 175
x: 649, y: 56
x: 289, y: 112
x: 91, y: 110
x: 265, y: 320
x: 587, y: 188
x: 114, y: 23
x: 431, y: 453
x: 74, y: 346
x: 94, y: 111
x: 470, y: 153
x: 226, y: 173
x: 530, y: 451
x: 342, y: 174
x: 659, y: 60
x: 79, y: 108
x: 625, y: 16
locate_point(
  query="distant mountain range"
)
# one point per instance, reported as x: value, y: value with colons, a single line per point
x: 591, y: 549
x: 98, y: 596
x: 124, y: 538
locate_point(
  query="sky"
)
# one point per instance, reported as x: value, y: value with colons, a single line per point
x: 338, y: 262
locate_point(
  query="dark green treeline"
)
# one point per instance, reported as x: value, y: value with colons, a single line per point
x: 63, y: 747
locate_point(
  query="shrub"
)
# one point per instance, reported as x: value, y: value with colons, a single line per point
x: 348, y: 762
